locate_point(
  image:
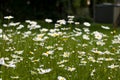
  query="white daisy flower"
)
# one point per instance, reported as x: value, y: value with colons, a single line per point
x: 71, y: 17
x: 48, y: 20
x: 61, y: 78
x: 8, y: 17
x: 86, y: 37
x: 1, y: 31
x: 2, y: 61
x: 105, y: 27
x: 61, y: 21
x: 113, y: 66
x: 43, y: 71
x: 87, y: 24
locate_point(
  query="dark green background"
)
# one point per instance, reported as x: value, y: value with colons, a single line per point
x: 40, y: 9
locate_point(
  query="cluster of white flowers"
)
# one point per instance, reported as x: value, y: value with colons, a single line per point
x: 32, y: 25
x: 70, y: 19
x: 44, y: 50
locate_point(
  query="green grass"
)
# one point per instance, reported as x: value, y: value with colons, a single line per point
x: 71, y: 56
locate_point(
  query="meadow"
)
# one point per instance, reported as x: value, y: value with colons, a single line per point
x: 65, y: 50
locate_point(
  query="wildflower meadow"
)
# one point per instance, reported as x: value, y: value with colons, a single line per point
x: 65, y: 50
